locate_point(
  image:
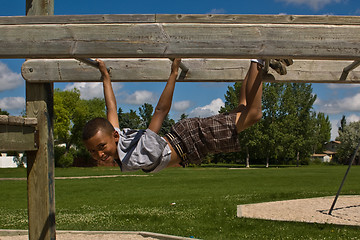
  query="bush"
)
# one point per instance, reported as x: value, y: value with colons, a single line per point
x: 67, y: 159
x: 62, y: 158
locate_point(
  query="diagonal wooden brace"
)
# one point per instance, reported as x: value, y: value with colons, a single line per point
x: 349, y: 68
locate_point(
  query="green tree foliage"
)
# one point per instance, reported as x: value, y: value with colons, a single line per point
x: 146, y: 111
x: 289, y: 130
x: 342, y: 124
x: 128, y: 120
x: 183, y: 116
x: 322, y: 132
x: 70, y: 115
x: 349, y: 138
x: 3, y: 112
x: 166, y: 126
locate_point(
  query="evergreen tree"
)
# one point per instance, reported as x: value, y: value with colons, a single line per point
x: 146, y: 111
x: 128, y: 120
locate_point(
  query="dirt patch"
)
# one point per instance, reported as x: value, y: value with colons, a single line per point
x: 313, y: 210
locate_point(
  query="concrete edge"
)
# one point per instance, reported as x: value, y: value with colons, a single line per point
x: 160, y: 236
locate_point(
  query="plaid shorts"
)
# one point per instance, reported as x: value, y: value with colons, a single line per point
x: 194, y: 138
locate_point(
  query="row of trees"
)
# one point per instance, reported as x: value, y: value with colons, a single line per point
x: 289, y: 130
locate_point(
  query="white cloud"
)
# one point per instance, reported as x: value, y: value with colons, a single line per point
x: 140, y: 97
x: 348, y: 104
x: 352, y: 118
x: 8, y: 79
x: 314, y: 4
x: 91, y: 90
x: 335, y: 124
x: 342, y: 86
x: 208, y: 110
x: 217, y: 11
x: 12, y: 103
x: 181, y: 106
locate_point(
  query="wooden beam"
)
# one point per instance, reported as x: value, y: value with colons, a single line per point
x: 177, y: 36
x: 182, y: 18
x: 200, y: 70
x: 41, y: 163
x: 17, y: 133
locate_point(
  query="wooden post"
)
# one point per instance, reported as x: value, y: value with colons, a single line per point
x: 40, y: 169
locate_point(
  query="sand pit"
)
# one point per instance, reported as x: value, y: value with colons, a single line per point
x: 312, y: 210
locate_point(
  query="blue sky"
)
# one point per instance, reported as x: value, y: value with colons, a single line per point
x: 195, y: 99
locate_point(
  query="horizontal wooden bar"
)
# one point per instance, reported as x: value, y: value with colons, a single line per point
x: 17, y: 138
x: 78, y: 19
x: 16, y: 120
x: 200, y: 70
x: 182, y: 18
x: 185, y: 40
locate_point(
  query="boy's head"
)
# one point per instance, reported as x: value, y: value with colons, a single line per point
x: 100, y: 139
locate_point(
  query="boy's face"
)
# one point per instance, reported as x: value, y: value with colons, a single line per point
x: 102, y: 146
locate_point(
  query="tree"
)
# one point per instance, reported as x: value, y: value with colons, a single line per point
x: 64, y: 102
x: 70, y: 115
x: 296, y: 119
x: 183, y: 116
x: 146, y: 111
x: 270, y: 128
x: 128, y: 120
x: 349, y: 138
x: 342, y: 124
x: 3, y: 112
x: 166, y: 126
x: 322, y: 132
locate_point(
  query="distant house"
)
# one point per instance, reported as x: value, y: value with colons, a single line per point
x: 10, y: 161
x: 331, y: 148
x: 322, y: 157
x: 328, y: 154
x: 7, y: 161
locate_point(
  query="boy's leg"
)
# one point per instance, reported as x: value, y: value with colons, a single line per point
x: 249, y: 109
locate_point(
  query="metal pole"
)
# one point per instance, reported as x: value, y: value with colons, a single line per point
x: 342, y: 183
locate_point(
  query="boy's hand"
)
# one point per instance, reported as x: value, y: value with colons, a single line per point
x: 175, y: 65
x: 102, y: 67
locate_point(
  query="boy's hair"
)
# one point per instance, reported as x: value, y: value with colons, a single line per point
x: 95, y: 125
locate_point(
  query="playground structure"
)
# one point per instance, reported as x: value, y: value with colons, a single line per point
x: 325, y: 48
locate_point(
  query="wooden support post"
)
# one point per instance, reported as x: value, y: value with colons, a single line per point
x: 40, y: 169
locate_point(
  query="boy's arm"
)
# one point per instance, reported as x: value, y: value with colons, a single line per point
x: 109, y: 95
x: 164, y: 103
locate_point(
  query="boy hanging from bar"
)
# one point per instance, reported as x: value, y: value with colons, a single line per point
x: 188, y: 141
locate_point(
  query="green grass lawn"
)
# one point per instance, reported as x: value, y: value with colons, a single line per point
x: 206, y: 200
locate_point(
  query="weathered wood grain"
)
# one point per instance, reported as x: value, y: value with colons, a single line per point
x: 41, y: 163
x: 182, y: 18
x: 17, y: 138
x: 200, y: 70
x: 195, y: 40
x: 16, y: 120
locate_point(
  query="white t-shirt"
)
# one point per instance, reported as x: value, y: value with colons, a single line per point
x: 151, y: 154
